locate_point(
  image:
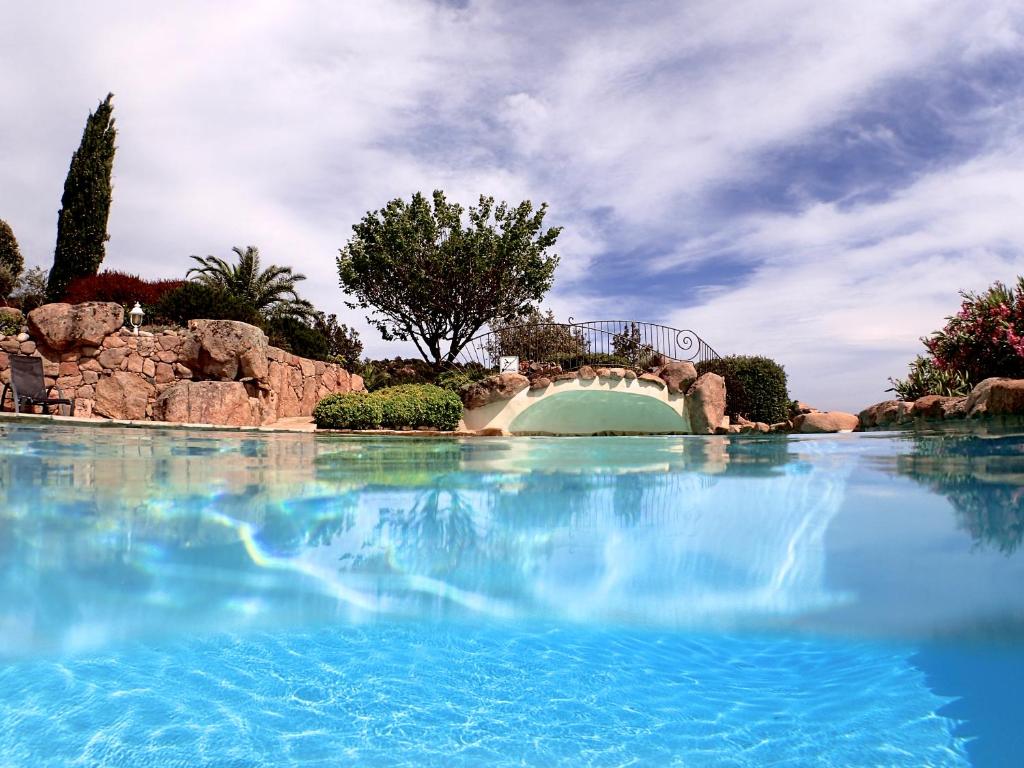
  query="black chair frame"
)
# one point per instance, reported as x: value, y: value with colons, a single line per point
x: 28, y: 387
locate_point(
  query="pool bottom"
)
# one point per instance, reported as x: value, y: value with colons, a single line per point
x: 425, y: 695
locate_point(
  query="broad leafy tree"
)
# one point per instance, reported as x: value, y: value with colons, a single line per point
x: 85, y: 205
x: 431, y: 277
x: 271, y: 291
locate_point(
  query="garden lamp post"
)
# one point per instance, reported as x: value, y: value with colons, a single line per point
x: 136, y: 316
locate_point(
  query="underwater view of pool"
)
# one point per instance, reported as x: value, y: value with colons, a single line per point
x: 244, y: 599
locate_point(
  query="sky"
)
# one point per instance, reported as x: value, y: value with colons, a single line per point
x: 810, y: 181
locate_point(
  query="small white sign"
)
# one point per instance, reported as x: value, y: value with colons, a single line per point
x: 509, y: 365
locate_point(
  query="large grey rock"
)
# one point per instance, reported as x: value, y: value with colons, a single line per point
x: 207, y: 402
x: 501, y: 386
x: 705, y: 404
x: 227, y: 350
x: 122, y: 395
x: 678, y: 375
x: 66, y: 326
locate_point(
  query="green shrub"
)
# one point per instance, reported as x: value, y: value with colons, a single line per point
x: 10, y: 325
x: 457, y: 378
x: 351, y: 410
x: 925, y: 378
x: 295, y: 336
x: 571, y: 361
x: 420, y: 405
x: 755, y: 387
x: 407, y: 405
x: 197, y: 301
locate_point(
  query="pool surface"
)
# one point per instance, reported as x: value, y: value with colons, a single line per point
x: 174, y: 598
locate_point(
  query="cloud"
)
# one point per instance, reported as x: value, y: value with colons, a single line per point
x: 812, y: 181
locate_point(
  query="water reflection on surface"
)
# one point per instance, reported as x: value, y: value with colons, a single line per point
x: 108, y: 534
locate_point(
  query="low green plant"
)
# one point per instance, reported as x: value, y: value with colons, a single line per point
x: 755, y: 387
x: 349, y: 410
x: 926, y: 378
x: 571, y: 361
x: 407, y: 405
x: 10, y: 325
x: 457, y: 378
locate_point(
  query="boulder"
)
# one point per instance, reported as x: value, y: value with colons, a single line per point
x: 543, y: 382
x: 543, y: 369
x: 705, y: 404
x: 227, y: 350
x: 122, y: 395
x: 586, y: 373
x: 885, y: 414
x: 12, y: 312
x: 799, y: 407
x: 678, y: 376
x: 501, y: 386
x: 650, y: 377
x: 207, y: 402
x: 66, y: 326
x: 977, y: 401
x: 827, y: 421
x: 629, y: 374
x: 934, y: 406
x: 996, y: 397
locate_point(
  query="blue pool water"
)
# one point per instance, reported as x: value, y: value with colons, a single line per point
x: 173, y: 598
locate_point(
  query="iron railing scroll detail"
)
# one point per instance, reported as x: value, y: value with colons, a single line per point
x: 596, y: 342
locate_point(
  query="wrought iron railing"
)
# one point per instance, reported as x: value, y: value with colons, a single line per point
x: 595, y: 342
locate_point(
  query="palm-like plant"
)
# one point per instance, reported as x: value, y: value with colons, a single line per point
x: 270, y: 291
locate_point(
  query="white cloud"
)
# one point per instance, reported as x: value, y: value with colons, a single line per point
x: 280, y: 124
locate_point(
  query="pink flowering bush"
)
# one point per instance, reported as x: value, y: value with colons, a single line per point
x: 985, y: 338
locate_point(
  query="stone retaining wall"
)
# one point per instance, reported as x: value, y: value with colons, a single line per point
x: 214, y: 372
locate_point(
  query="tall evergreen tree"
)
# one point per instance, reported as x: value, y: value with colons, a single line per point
x: 85, y: 205
x: 11, y: 261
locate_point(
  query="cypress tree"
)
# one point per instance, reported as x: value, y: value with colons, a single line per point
x: 85, y: 205
x: 11, y: 261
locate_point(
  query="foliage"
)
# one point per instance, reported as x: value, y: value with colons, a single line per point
x: 193, y: 300
x: 31, y: 289
x: 85, y: 204
x: 119, y: 287
x: 427, y: 278
x: 457, y: 378
x: 755, y: 387
x: 408, y: 405
x: 10, y: 325
x: 8, y: 282
x: 351, y: 410
x: 11, y: 261
x: 536, y: 336
x: 343, y: 344
x: 985, y: 338
x: 628, y: 346
x: 269, y: 291
x: 593, y: 359
x: 378, y: 374
x: 293, y: 335
x: 924, y: 378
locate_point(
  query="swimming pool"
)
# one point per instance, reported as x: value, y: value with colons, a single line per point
x: 261, y: 599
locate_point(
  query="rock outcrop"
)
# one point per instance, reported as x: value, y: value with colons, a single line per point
x: 65, y: 326
x: 825, y: 421
x: 501, y: 386
x: 678, y: 376
x: 120, y: 375
x: 705, y: 404
x: 123, y: 395
x: 208, y: 402
x: 227, y: 350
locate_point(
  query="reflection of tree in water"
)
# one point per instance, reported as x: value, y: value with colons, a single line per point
x: 434, y: 535
x: 983, y: 478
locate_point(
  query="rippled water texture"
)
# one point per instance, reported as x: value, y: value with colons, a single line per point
x: 229, y: 599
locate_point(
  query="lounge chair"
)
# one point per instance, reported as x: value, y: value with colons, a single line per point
x: 29, y: 388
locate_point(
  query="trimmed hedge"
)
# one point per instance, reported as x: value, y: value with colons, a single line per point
x: 407, y: 405
x: 119, y: 287
x: 351, y: 410
x: 193, y: 300
x: 755, y: 387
